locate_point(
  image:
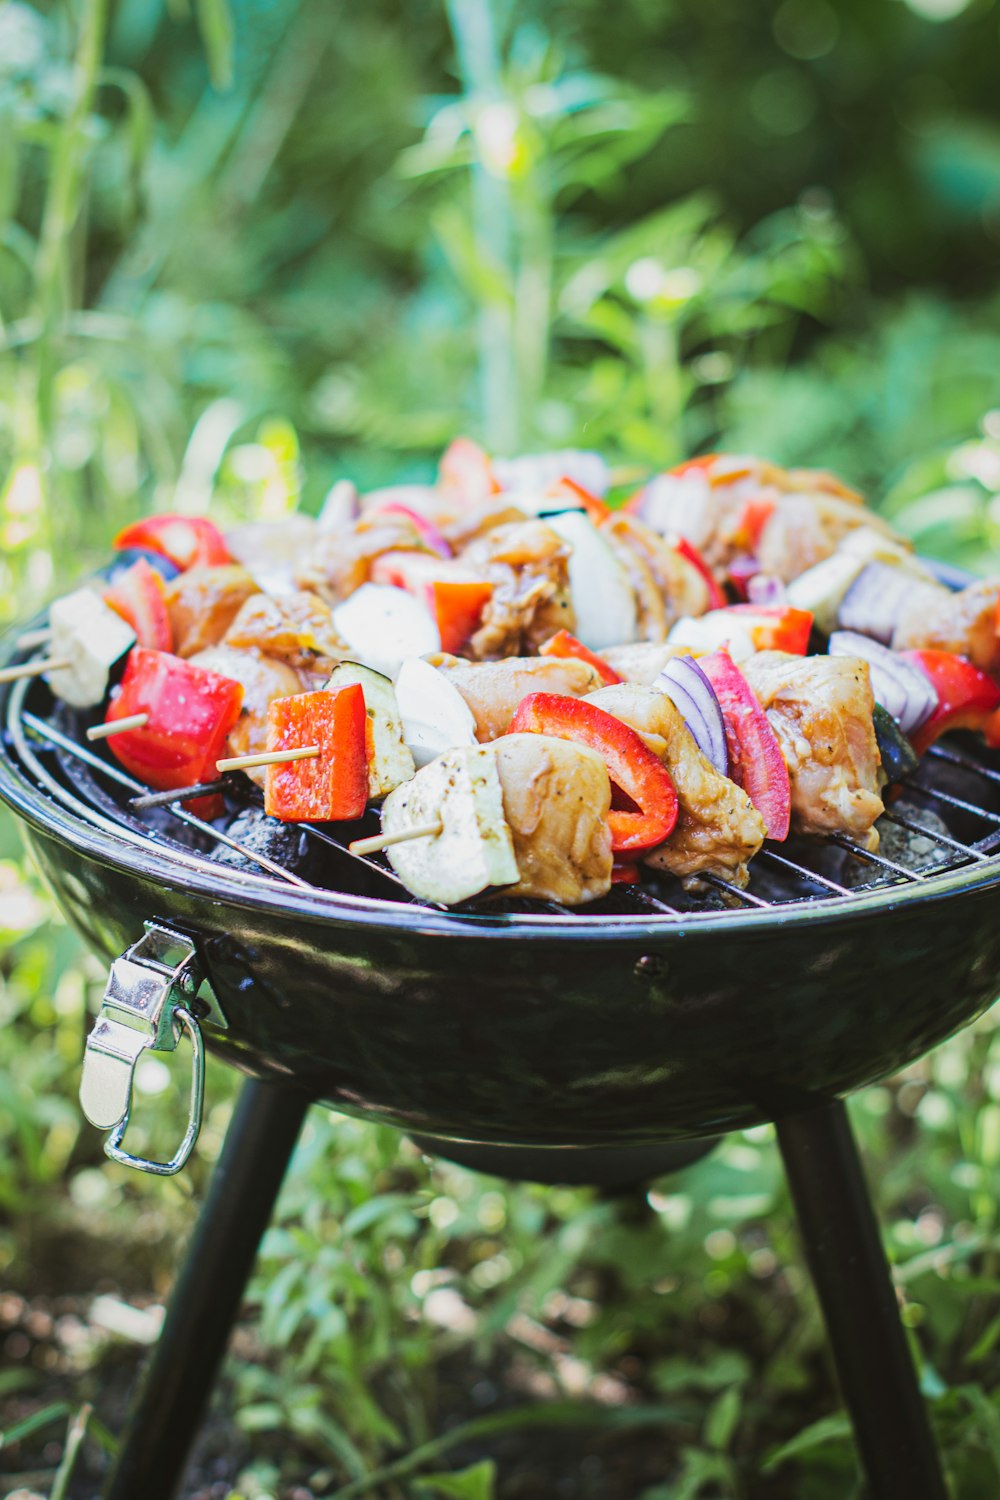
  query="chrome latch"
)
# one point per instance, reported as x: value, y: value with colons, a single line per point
x: 152, y: 993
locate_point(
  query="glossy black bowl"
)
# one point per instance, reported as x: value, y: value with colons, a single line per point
x: 540, y: 1030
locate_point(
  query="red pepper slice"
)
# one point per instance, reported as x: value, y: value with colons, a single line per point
x: 188, y: 541
x: 564, y: 644
x: 565, y: 488
x: 623, y: 873
x: 139, y: 596
x: 631, y: 764
x: 329, y: 787
x: 458, y: 609
x: 190, y: 714
x: 967, y: 697
x: 716, y: 598
x: 755, y: 516
x: 775, y: 627
x: 466, y: 470
x: 755, y: 759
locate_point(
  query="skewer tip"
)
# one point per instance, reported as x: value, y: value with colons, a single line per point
x: 379, y: 841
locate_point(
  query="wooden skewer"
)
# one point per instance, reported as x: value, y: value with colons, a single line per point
x: 32, y: 639
x: 35, y: 668
x: 269, y: 758
x: 118, y: 726
x: 384, y: 840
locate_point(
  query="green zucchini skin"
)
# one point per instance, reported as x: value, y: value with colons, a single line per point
x: 899, y: 759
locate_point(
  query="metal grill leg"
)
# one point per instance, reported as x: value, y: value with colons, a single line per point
x: 849, y: 1269
x: 206, y: 1298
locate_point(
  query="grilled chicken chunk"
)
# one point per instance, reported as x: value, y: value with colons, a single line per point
x: 340, y: 561
x: 202, y: 604
x: 677, y: 583
x: 820, y: 707
x: 494, y: 689
x: 718, y: 828
x: 264, y: 678
x: 937, y: 619
x: 296, y: 627
x: 556, y: 799
x: 527, y: 564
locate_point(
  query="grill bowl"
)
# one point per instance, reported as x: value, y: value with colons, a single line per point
x: 536, y: 1029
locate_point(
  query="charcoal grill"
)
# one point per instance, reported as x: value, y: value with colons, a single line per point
x: 521, y: 1038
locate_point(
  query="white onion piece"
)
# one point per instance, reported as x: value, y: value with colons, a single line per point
x: 874, y: 602
x: 384, y: 626
x: 900, y: 687
x: 763, y: 589
x: 603, y: 599
x: 691, y: 693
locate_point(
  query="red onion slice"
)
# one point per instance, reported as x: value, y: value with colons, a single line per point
x: 691, y: 693
x: 900, y: 687
x: 874, y: 602
x: 763, y: 589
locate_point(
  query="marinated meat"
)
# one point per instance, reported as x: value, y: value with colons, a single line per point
x: 494, y: 689
x: 556, y: 799
x: 202, y: 604
x: 297, y: 628
x: 340, y: 561
x: 938, y: 620
x: 264, y: 678
x: 526, y: 562
x: 718, y: 828
x: 820, y: 707
x: 806, y: 528
x: 678, y: 584
x: 641, y: 661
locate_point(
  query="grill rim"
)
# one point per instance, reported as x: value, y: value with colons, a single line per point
x: 189, y: 872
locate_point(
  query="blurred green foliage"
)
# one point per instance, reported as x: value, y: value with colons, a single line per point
x: 245, y: 251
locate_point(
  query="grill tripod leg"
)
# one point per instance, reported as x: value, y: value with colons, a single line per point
x: 852, y: 1280
x: 206, y: 1298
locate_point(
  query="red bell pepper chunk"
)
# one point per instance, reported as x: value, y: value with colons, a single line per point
x: 755, y: 516
x: 564, y: 644
x: 755, y: 759
x: 190, y: 714
x: 631, y: 764
x: 458, y: 609
x: 466, y: 470
x: 188, y: 541
x: 333, y: 785
x: 716, y: 598
x: 565, y: 488
x: 623, y: 873
x: 967, y: 697
x: 775, y: 627
x: 139, y: 596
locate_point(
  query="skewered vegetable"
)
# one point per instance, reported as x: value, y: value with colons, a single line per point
x: 138, y: 594
x: 188, y: 541
x: 383, y: 626
x: 89, y: 638
x: 564, y: 644
x: 966, y: 697
x: 332, y: 784
x: 603, y: 601
x: 632, y: 766
x: 901, y: 687
x: 691, y: 693
x: 755, y: 759
x: 433, y: 712
x: 390, y: 763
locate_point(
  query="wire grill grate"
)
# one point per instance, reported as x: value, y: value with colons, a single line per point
x: 946, y: 818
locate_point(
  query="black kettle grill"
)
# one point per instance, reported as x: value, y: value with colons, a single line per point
x: 604, y: 1045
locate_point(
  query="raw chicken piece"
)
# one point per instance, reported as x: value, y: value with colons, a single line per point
x: 681, y: 588
x: 493, y: 689
x: 642, y: 661
x: 526, y: 562
x: 718, y: 828
x: 965, y: 623
x: 297, y: 628
x: 202, y: 604
x: 820, y: 707
x: 340, y: 561
x: 806, y: 528
x: 556, y: 799
x: 264, y: 678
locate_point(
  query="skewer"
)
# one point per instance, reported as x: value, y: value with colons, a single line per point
x: 117, y: 726
x: 384, y: 840
x: 268, y: 758
x: 179, y: 794
x: 32, y: 639
x: 35, y: 668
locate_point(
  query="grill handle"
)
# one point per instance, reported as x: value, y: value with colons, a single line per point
x: 152, y: 995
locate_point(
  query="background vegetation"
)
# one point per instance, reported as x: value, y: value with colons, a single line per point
x: 245, y: 251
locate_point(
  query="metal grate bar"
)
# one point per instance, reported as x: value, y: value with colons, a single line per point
x: 647, y: 896
x: 733, y: 890
x: 802, y: 872
x: 933, y: 835
x: 956, y: 802
x: 955, y: 758
x: 843, y: 842
x: 62, y: 742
